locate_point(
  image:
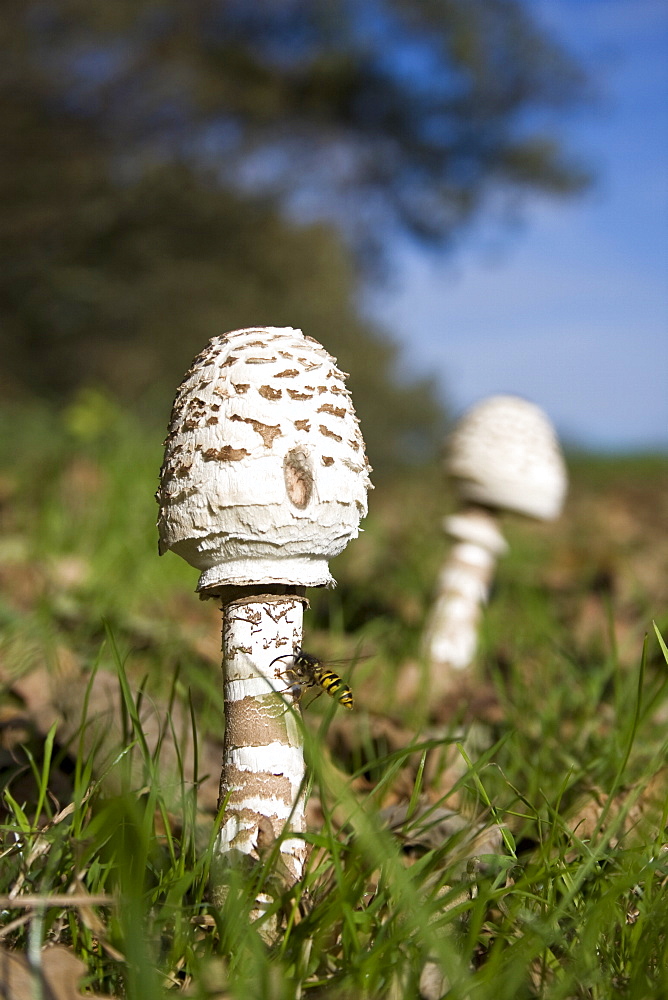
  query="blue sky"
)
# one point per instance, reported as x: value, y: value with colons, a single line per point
x: 571, y: 309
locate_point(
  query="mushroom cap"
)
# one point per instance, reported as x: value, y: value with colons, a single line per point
x: 265, y: 476
x: 504, y: 453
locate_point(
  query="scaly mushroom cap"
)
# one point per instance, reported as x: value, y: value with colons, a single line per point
x: 504, y: 454
x: 265, y: 475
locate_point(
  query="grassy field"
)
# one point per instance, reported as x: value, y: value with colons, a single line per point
x: 507, y: 843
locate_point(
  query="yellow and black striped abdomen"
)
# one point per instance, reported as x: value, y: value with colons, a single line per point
x: 334, y: 686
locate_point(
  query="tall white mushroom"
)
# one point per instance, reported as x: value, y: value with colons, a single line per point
x: 264, y: 480
x: 503, y: 455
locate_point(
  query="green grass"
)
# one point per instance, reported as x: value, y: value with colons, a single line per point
x: 550, y: 880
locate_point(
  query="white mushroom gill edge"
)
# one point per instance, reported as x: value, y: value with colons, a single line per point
x: 262, y: 778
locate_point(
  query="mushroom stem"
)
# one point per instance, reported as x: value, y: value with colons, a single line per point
x: 262, y: 780
x: 463, y: 588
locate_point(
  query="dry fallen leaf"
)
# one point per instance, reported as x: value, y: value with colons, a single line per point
x: 429, y: 827
x: 58, y: 976
x: 635, y: 814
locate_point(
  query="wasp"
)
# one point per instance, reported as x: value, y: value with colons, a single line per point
x: 307, y: 671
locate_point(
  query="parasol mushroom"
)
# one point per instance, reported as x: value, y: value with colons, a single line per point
x: 503, y: 455
x: 264, y: 480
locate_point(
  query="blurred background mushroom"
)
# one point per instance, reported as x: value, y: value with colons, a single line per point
x: 503, y: 455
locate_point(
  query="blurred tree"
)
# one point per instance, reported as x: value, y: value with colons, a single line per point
x: 154, y: 152
x: 399, y: 112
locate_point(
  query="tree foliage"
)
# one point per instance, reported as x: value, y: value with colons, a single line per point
x: 390, y: 111
x: 171, y: 170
